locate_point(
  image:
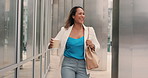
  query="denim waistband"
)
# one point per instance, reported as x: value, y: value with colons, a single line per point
x: 74, y: 58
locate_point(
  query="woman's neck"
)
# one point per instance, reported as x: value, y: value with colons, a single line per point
x: 78, y: 26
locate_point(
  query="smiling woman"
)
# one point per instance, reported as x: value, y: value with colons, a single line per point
x: 73, y: 44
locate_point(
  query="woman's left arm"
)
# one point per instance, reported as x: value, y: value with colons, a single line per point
x: 93, y: 38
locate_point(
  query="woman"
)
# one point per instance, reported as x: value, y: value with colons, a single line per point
x: 73, y: 42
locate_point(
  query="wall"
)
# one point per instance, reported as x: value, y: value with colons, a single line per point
x: 133, y: 44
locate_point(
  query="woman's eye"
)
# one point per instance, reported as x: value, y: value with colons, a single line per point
x: 81, y: 13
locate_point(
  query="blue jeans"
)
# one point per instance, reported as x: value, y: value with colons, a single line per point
x: 73, y: 68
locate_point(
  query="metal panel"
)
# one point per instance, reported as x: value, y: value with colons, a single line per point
x: 96, y: 16
x: 125, y: 39
x: 140, y: 37
x: 133, y: 39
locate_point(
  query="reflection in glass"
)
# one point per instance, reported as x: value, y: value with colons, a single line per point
x: 48, y: 58
x: 38, y: 27
x: 10, y: 74
x: 26, y: 70
x: 37, y: 67
x: 43, y: 64
x: 27, y: 30
x: 7, y: 32
x: 46, y: 62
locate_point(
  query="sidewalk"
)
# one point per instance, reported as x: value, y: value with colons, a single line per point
x: 53, y: 73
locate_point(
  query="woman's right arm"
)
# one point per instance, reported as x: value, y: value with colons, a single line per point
x: 58, y: 36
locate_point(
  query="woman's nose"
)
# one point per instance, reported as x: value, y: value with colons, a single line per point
x: 83, y: 15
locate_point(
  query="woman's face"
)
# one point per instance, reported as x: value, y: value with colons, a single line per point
x: 79, y: 16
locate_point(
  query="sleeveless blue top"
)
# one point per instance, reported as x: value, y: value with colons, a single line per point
x: 74, y: 48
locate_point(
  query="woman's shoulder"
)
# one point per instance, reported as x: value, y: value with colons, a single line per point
x: 63, y: 28
x: 91, y: 28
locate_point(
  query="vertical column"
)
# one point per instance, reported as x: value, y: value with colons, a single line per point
x: 125, y: 38
x: 115, y: 39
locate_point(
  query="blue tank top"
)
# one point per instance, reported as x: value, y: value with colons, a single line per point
x: 74, y: 48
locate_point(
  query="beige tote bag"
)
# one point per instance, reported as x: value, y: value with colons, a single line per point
x: 92, y: 60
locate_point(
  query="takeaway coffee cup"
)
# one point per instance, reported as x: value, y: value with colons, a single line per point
x: 56, y: 43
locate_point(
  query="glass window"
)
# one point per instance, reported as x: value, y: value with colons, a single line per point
x: 27, y: 30
x: 9, y: 74
x: 46, y: 66
x: 7, y: 32
x: 43, y: 64
x: 26, y: 70
x: 48, y: 58
x: 37, y: 67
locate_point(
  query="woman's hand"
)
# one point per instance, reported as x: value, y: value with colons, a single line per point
x: 90, y: 44
x: 51, y: 44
